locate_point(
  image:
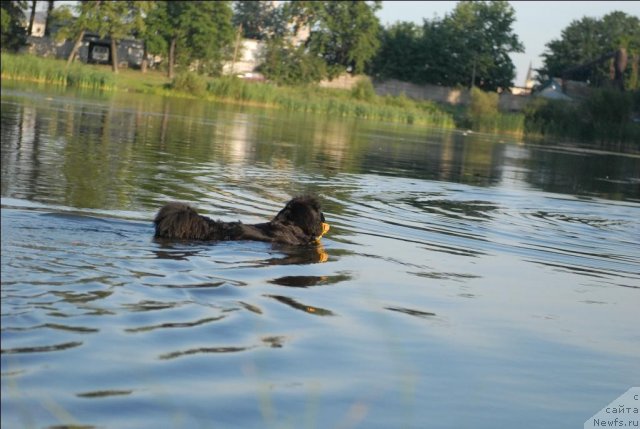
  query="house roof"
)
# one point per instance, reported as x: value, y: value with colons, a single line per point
x: 552, y: 89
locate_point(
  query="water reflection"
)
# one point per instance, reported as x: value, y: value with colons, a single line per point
x: 307, y: 281
x: 416, y: 313
x: 316, y: 311
x: 104, y: 393
x: 41, y: 349
x: 169, y: 325
x: 137, y: 151
x: 287, y: 255
x: 203, y: 350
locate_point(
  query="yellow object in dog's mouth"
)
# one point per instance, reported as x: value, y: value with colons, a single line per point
x: 325, y: 228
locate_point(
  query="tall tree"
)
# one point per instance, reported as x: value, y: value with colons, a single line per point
x: 400, y: 54
x: 160, y: 33
x: 32, y: 17
x: 287, y: 64
x: 587, y: 39
x: 468, y: 47
x: 118, y: 19
x: 74, y: 28
x: 345, y: 34
x: 258, y: 19
x: 198, y: 34
x: 47, y: 25
x: 12, y: 32
x: 471, y: 45
x: 207, y: 38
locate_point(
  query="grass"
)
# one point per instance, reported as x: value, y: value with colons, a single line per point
x: 360, y: 102
x: 601, y: 120
x: 54, y: 72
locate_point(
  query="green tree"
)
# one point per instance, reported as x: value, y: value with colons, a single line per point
x: 119, y: 19
x: 587, y: 39
x: 74, y: 27
x: 468, y: 47
x: 345, y: 34
x: 287, y: 64
x: 471, y: 45
x: 50, y: 9
x: 400, y: 54
x: 12, y: 32
x: 259, y: 19
x: 159, y: 33
x: 195, y: 33
x: 32, y: 17
x: 207, y: 37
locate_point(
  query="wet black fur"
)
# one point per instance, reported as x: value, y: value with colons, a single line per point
x: 299, y: 222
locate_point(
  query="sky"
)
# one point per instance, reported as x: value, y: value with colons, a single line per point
x: 537, y: 22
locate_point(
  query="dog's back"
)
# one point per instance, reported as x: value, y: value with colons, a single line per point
x: 179, y: 221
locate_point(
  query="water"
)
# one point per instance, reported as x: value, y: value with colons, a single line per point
x: 467, y: 280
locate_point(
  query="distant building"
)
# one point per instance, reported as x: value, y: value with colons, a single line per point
x: 559, y: 89
x: 95, y: 50
x: 552, y: 89
x: 529, y: 83
x: 249, y: 53
x: 39, y: 23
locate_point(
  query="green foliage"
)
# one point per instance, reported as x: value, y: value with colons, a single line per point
x: 259, y: 19
x: 607, y: 113
x: 286, y: 64
x: 483, y: 115
x: 603, y: 118
x: 206, y: 35
x: 344, y: 33
x: 189, y: 82
x: 55, y: 72
x: 201, y: 32
x: 363, y: 90
x: 119, y: 19
x: 400, y: 54
x: 475, y: 39
x: 399, y: 101
x: 483, y: 103
x: 62, y: 18
x: 587, y: 39
x: 12, y: 34
x: 332, y: 102
x: 475, y: 36
x: 157, y: 31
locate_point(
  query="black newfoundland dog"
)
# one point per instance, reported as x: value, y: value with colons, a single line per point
x: 300, y: 222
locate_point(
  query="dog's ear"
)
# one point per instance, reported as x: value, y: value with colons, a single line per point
x: 303, y: 212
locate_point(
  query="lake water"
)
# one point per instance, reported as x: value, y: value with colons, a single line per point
x: 467, y: 280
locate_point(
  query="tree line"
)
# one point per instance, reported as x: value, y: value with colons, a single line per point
x: 469, y: 46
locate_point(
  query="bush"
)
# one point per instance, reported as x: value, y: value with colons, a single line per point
x: 483, y: 110
x: 189, y: 82
x: 286, y: 64
x: 401, y: 101
x: 604, y: 117
x: 363, y: 90
x: 483, y: 103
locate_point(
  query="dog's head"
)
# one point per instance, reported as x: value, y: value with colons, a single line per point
x: 305, y: 213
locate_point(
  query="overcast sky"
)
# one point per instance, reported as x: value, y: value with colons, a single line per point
x: 537, y: 22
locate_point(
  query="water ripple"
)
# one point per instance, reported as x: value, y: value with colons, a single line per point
x: 41, y: 349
